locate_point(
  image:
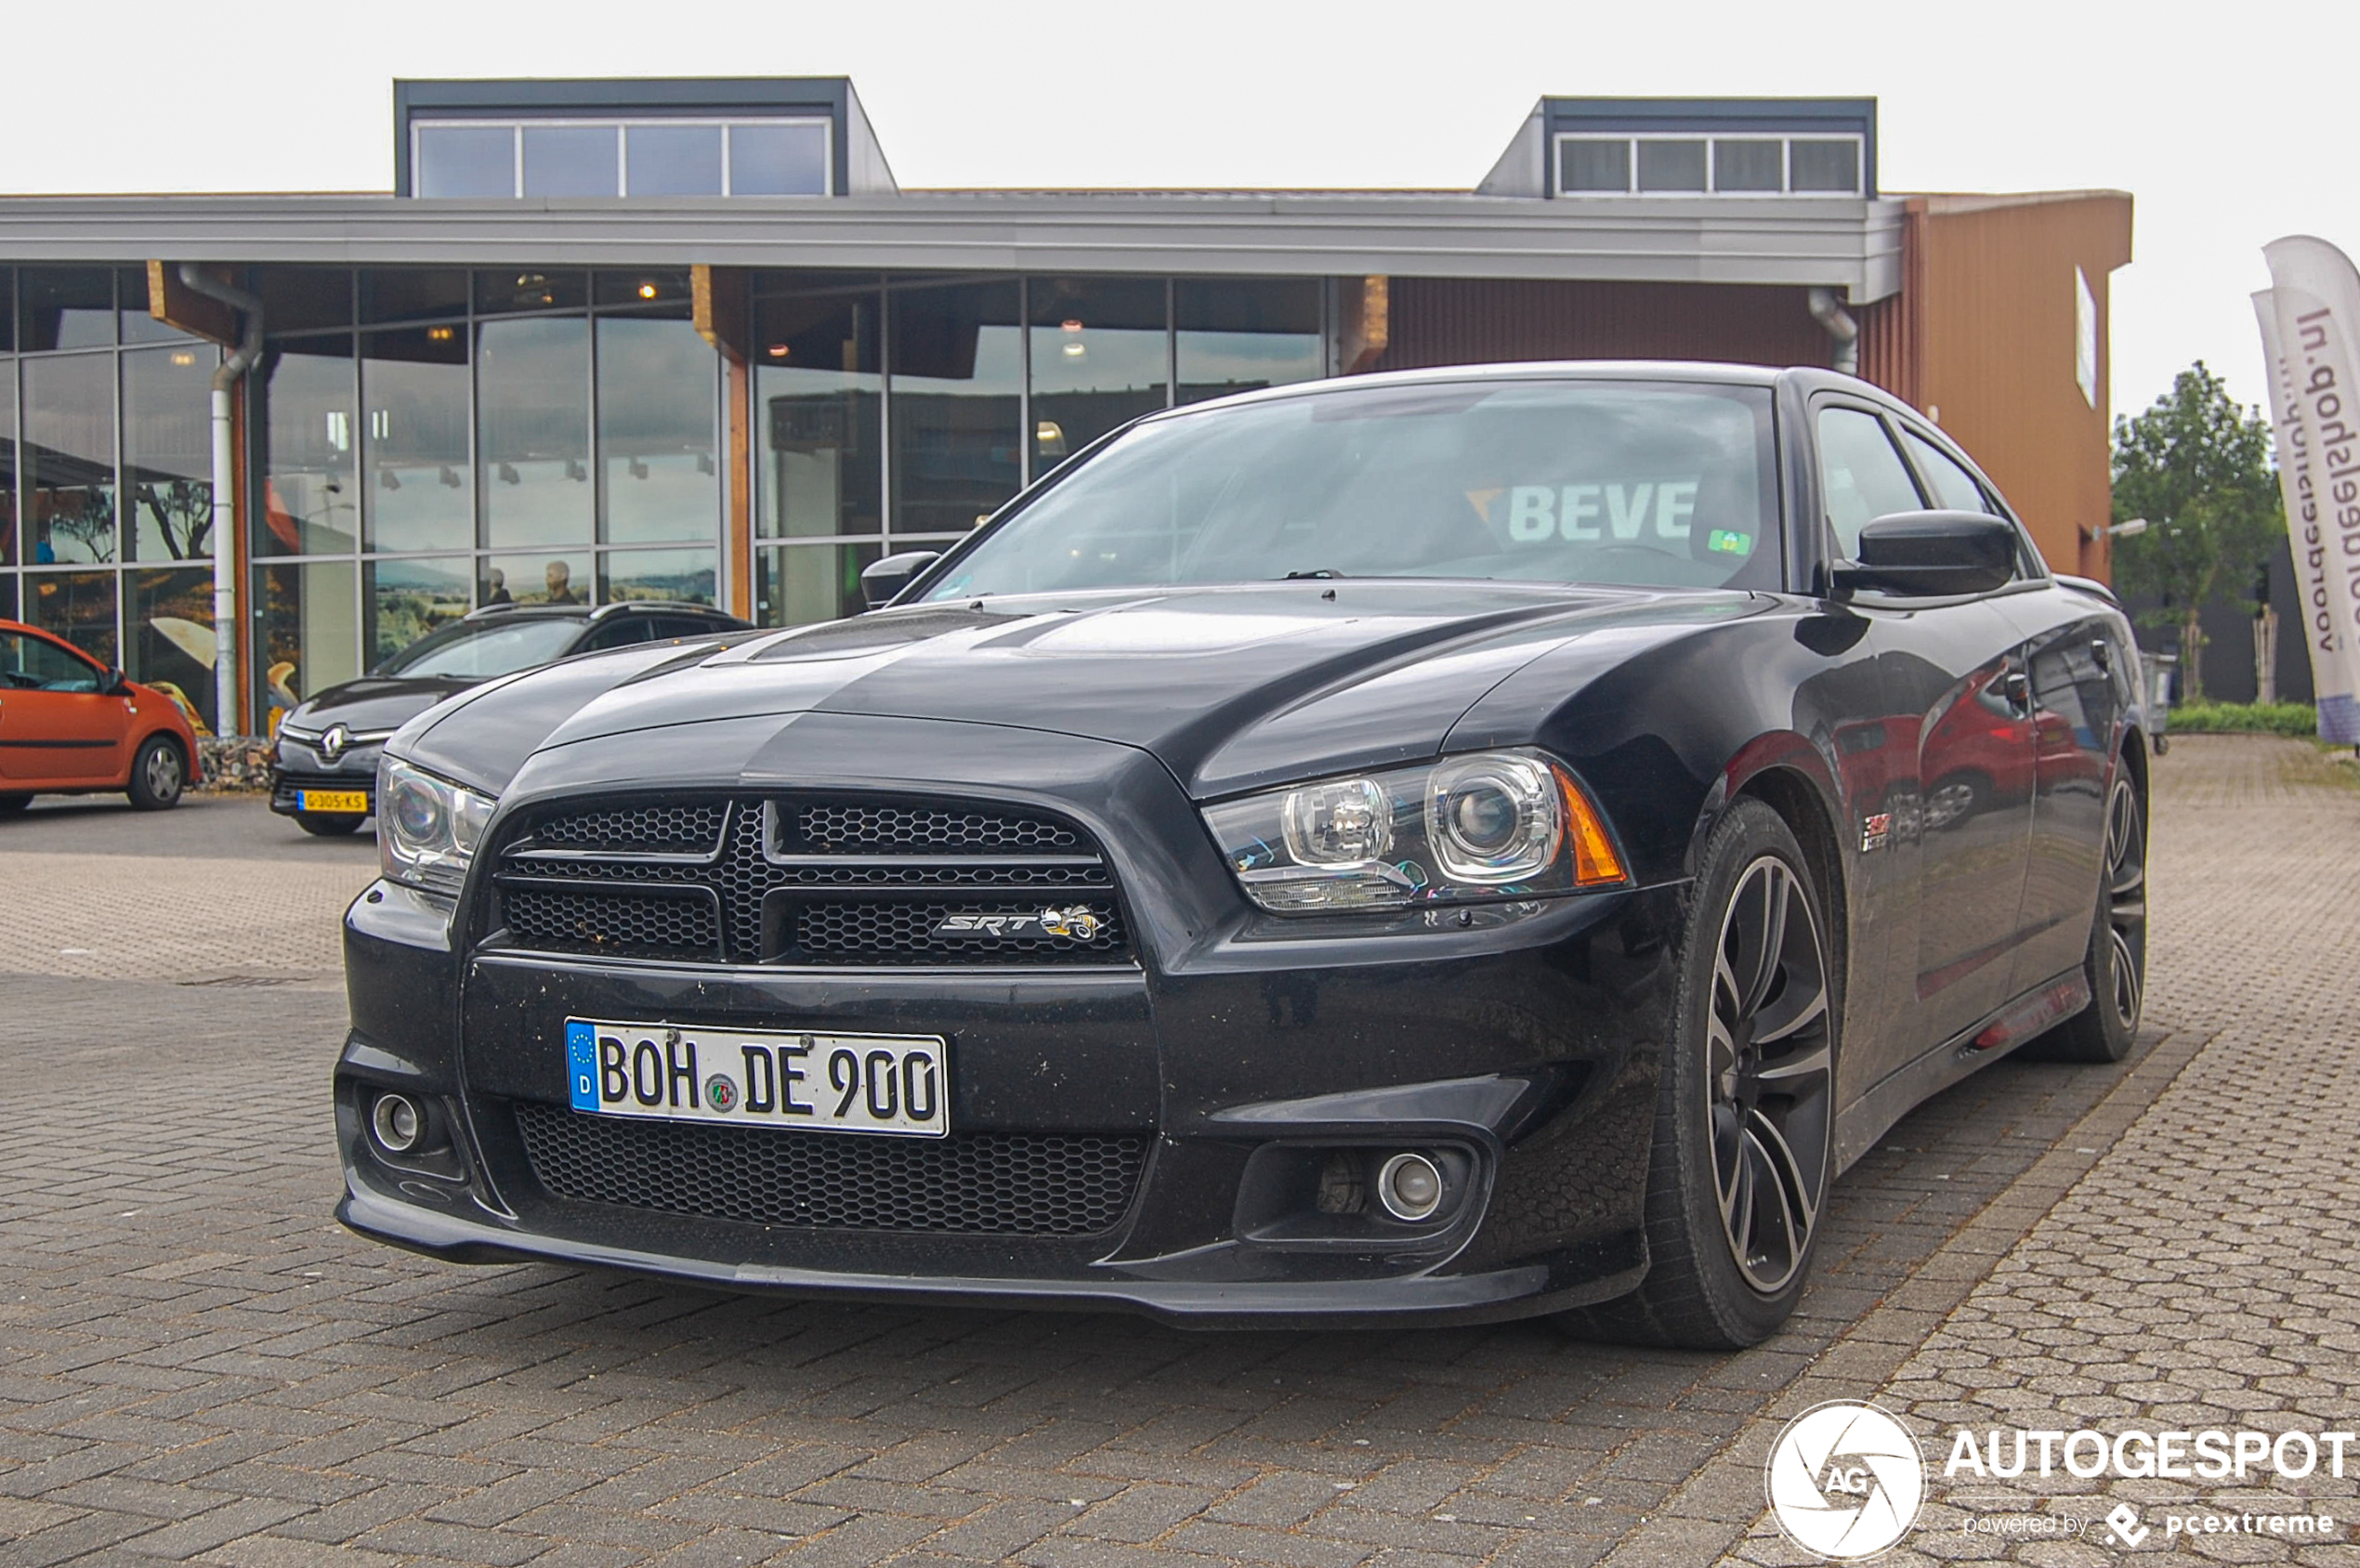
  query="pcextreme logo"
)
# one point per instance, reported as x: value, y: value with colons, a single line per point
x: 1845, y: 1481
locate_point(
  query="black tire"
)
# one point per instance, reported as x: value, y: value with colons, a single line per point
x: 11, y: 805
x: 328, y: 824
x: 1733, y: 1117
x: 2116, y: 963
x: 158, y: 774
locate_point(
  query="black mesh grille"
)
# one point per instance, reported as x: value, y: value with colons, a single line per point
x: 872, y: 931
x: 894, y: 830
x: 980, y: 1183
x: 689, y: 828
x: 630, y: 922
x: 796, y: 881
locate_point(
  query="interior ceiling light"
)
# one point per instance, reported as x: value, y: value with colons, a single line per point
x: 439, y: 335
x: 182, y: 356
x: 1070, y: 324
x: 532, y: 279
x: 778, y: 350
x: 647, y: 291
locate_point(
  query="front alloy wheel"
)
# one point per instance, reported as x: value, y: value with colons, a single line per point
x: 1743, y: 1146
x: 157, y: 775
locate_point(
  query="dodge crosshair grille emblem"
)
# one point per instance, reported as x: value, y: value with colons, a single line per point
x: 333, y: 740
x: 1075, y: 924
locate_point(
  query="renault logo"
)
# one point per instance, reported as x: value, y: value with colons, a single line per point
x: 333, y: 740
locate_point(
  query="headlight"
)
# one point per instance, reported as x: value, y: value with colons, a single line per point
x: 427, y: 828
x: 1492, y: 824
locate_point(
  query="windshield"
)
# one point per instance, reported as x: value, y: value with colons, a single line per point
x: 480, y: 649
x: 1656, y: 484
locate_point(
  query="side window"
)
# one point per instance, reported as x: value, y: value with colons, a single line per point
x: 1862, y: 477
x: 1954, y: 488
x: 621, y: 632
x: 33, y: 663
x: 685, y: 626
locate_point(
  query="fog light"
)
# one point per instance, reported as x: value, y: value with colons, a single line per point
x: 395, y: 1123
x: 1410, y: 1185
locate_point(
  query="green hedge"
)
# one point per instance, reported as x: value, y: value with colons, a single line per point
x: 2225, y: 718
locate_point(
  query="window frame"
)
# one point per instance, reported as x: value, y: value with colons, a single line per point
x: 621, y: 124
x: 1711, y: 136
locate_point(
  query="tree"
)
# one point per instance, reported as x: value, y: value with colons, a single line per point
x: 2196, y: 466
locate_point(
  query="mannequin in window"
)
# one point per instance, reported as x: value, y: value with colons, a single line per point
x: 497, y: 580
x: 559, y: 579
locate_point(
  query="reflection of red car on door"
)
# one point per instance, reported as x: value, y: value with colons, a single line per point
x: 69, y: 725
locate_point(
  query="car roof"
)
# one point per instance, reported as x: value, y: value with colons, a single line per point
x: 1696, y: 371
x: 597, y: 612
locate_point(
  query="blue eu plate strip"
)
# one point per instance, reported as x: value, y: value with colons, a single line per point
x: 582, y: 1063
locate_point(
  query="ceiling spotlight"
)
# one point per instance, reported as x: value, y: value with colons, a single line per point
x: 439, y: 335
x: 1070, y: 324
x: 647, y: 291
x: 183, y: 357
x: 778, y: 350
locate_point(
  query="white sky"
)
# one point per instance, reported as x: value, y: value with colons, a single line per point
x: 2231, y: 126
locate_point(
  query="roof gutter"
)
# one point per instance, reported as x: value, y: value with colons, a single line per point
x: 236, y: 363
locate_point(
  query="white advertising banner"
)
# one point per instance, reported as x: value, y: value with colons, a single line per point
x: 2314, y: 305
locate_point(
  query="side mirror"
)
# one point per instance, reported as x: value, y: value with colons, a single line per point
x: 114, y: 683
x: 881, y: 582
x: 1932, y: 555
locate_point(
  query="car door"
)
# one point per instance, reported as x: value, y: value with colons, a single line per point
x: 2078, y: 669
x: 58, y: 728
x: 621, y: 631
x: 1956, y: 667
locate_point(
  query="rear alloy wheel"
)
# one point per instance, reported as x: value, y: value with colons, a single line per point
x: 157, y: 775
x: 328, y: 824
x: 2116, y: 965
x: 1744, y: 1117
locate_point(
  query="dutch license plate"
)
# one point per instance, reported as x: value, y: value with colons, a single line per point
x: 813, y: 1082
x: 352, y: 802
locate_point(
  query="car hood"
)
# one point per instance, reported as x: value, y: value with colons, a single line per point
x: 374, y: 703
x: 1231, y: 687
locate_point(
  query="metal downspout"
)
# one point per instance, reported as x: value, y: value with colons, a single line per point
x: 1829, y: 312
x: 226, y: 625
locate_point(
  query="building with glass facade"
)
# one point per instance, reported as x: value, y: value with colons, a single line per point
x: 612, y: 340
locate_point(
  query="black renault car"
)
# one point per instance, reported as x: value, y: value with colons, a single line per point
x: 323, y: 760
x: 1442, y: 846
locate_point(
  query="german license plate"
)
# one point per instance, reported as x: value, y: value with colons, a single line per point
x: 348, y: 801
x: 813, y: 1082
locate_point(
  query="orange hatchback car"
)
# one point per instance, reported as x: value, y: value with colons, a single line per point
x: 69, y: 725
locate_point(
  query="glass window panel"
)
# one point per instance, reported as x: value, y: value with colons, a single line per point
x: 782, y: 159
x: 500, y: 290
x: 300, y: 298
x: 1861, y: 474
x: 556, y: 577
x: 1100, y: 357
x: 8, y: 462
x: 69, y: 458
x: 465, y: 161
x: 532, y: 431
x: 659, y: 432
x: 77, y: 606
x: 688, y: 576
x: 412, y: 294
x: 138, y: 324
x: 1671, y: 165
x: 405, y: 600
x: 1594, y: 166
x: 1828, y: 167
x: 656, y: 289
x: 64, y: 307
x: 797, y: 584
x: 9, y: 596
x: 418, y: 475
x: 1749, y: 166
x: 958, y: 368
x: 570, y: 160
x: 309, y: 637
x: 7, y: 309
x: 673, y: 160
x: 1233, y: 335
x: 1953, y: 486
x: 167, y: 452
x: 303, y: 396
x: 818, y: 402
x: 170, y: 637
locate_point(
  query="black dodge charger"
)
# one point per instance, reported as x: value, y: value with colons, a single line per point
x: 1444, y: 846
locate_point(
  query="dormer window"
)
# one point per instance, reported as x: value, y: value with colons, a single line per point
x: 656, y: 157
x: 1609, y: 163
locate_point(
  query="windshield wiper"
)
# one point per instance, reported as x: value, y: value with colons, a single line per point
x: 1315, y: 573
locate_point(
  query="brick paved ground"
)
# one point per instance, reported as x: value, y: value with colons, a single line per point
x: 195, y: 1363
